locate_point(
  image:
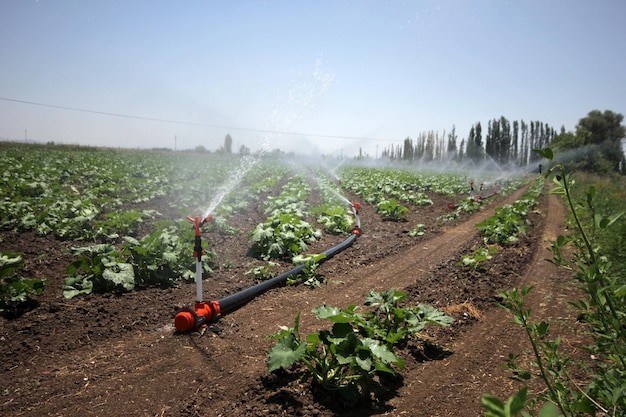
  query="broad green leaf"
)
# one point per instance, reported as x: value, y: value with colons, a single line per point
x: 285, y: 353
x: 364, y: 362
x: 493, y: 405
x: 546, y: 153
x: 516, y: 403
x: 75, y: 285
x: 335, y: 314
x: 379, y: 350
x: 433, y: 315
x: 9, y: 263
x: 549, y: 410
x: 122, y: 275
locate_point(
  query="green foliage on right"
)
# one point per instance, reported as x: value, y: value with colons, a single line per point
x: 595, y: 145
x: 603, y: 309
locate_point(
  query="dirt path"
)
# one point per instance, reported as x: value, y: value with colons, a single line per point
x: 458, y: 381
x: 150, y: 371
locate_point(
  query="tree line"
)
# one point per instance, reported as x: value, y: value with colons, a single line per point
x: 595, y: 145
x: 504, y: 142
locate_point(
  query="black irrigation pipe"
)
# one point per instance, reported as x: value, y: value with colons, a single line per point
x: 209, y: 312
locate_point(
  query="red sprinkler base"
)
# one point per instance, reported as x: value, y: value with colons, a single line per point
x: 202, y: 314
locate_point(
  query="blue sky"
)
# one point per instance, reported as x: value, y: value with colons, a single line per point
x: 343, y: 75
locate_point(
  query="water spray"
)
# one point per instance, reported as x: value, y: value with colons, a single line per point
x: 205, y: 313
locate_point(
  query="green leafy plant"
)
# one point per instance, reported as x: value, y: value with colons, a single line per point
x: 338, y: 360
x: 281, y: 236
x: 469, y: 204
x: 159, y: 259
x: 396, y: 325
x: 165, y: 255
x: 335, y: 219
x: 353, y: 356
x: 391, y: 210
x: 562, y: 398
x: 220, y: 225
x: 309, y: 275
x: 510, y: 220
x: 494, y: 407
x: 477, y: 259
x: 263, y: 272
x: 120, y: 223
x: 16, y: 293
x: 98, y: 270
x: 418, y: 230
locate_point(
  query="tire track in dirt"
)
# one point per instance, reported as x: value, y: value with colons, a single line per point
x: 480, y: 353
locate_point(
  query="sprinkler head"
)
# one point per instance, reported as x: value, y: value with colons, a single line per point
x: 207, y: 219
x: 357, y: 206
x: 451, y: 206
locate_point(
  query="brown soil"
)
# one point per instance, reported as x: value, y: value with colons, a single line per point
x: 107, y: 355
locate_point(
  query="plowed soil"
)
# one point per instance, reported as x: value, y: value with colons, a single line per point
x: 119, y: 355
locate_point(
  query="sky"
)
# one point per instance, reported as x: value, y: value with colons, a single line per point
x: 311, y: 77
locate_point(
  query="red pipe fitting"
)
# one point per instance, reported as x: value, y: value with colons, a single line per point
x: 202, y: 313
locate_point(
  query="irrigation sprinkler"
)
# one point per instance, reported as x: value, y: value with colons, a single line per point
x: 202, y: 312
x: 356, y: 229
x: 477, y: 198
x: 205, y: 313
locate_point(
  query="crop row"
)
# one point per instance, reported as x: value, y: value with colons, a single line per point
x: 511, y: 220
x: 128, y: 208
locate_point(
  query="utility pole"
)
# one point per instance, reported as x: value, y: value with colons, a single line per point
x: 25, y: 135
x: 174, y: 143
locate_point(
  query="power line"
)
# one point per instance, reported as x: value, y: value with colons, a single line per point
x: 182, y: 122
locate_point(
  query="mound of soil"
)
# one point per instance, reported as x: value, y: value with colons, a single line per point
x: 108, y: 354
